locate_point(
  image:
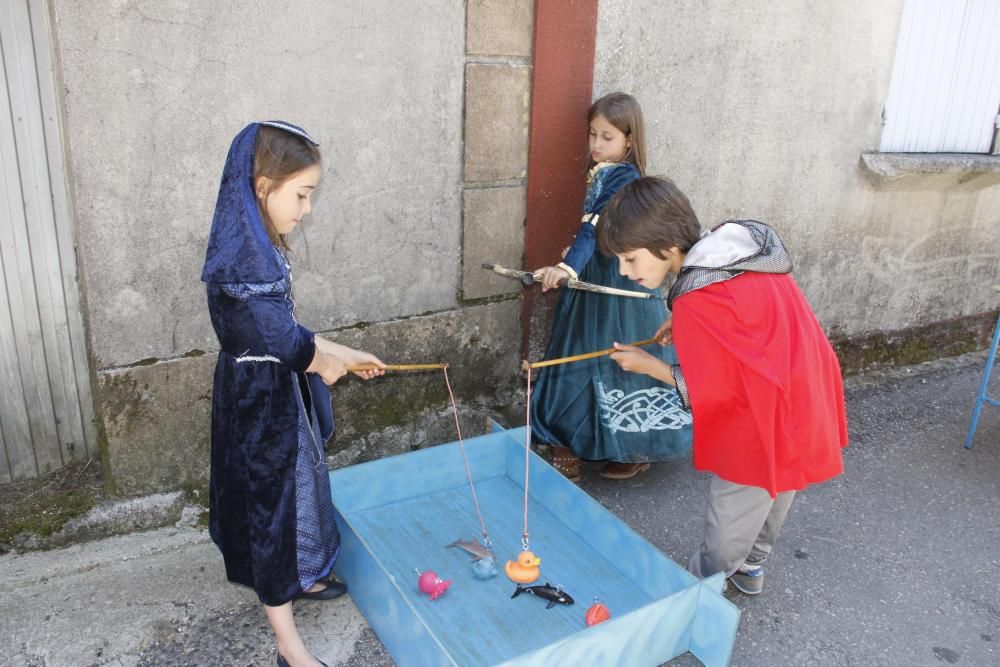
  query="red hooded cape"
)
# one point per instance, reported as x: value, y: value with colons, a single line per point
x: 766, y: 394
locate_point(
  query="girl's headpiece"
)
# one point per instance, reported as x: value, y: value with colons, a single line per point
x: 239, y: 250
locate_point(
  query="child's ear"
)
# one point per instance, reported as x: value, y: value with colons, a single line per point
x: 261, y: 186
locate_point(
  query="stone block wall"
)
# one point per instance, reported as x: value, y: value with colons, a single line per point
x: 497, y: 104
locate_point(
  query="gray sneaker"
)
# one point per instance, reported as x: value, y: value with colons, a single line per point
x: 749, y: 579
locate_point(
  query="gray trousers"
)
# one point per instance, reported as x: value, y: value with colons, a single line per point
x: 742, y: 523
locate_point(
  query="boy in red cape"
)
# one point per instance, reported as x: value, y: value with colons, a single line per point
x: 756, y: 370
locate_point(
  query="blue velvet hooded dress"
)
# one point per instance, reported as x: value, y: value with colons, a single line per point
x: 271, y: 512
x: 594, y: 407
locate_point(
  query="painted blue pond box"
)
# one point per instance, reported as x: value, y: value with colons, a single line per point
x: 397, y: 514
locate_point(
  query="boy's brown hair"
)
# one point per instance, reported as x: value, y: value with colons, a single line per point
x: 651, y: 213
x: 623, y: 111
x: 278, y: 155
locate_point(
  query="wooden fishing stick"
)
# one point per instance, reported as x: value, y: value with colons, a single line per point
x: 580, y: 357
x: 395, y: 367
x: 528, y: 278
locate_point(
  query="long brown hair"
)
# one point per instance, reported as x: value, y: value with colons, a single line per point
x: 278, y: 155
x: 623, y: 111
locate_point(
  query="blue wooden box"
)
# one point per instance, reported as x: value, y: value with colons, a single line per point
x: 397, y: 514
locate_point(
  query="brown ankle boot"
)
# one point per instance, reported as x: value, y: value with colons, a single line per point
x: 620, y: 470
x: 565, y: 461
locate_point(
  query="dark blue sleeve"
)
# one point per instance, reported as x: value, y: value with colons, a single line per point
x: 582, y: 249
x: 606, y: 183
x: 279, y: 335
x: 255, y: 320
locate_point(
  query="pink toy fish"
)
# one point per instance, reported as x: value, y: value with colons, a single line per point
x: 433, y: 585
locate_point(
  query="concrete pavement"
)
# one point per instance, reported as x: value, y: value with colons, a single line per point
x: 896, y: 562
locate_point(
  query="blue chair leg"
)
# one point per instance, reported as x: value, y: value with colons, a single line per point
x: 981, y: 397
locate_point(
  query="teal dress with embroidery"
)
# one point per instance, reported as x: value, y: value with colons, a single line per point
x: 594, y: 407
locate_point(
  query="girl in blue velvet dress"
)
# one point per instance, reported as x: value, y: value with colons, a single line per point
x: 271, y: 512
x: 592, y: 409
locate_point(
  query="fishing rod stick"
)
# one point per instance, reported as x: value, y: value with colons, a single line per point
x: 581, y: 357
x: 528, y: 278
x: 394, y: 367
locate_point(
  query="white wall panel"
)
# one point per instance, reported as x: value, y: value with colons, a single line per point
x: 46, y: 412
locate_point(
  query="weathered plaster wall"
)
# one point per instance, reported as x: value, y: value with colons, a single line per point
x: 155, y: 91
x: 763, y: 110
x: 758, y: 110
x: 152, y: 94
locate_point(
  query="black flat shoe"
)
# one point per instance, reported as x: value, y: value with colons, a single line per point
x: 331, y: 579
x: 334, y: 589
x: 284, y: 663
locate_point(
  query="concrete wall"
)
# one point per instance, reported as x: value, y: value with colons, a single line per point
x: 756, y: 109
x: 152, y: 94
x: 763, y: 110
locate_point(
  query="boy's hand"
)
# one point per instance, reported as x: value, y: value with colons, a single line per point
x: 665, y: 334
x: 550, y: 277
x: 634, y: 360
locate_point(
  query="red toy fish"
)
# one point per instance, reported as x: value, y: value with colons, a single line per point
x: 433, y: 585
x: 597, y: 613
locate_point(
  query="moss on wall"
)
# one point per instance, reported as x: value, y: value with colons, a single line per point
x: 43, y: 505
x: 914, y: 345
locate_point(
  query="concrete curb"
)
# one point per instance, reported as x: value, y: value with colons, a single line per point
x: 115, y: 517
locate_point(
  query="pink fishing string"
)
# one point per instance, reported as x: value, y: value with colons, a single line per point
x: 461, y: 443
x: 527, y: 452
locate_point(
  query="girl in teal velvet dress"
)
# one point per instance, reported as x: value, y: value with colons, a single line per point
x: 592, y: 409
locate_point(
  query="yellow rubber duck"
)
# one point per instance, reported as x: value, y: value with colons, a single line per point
x: 525, y: 569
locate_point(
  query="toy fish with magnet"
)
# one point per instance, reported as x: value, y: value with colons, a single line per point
x: 484, y: 568
x: 554, y: 594
x: 473, y: 547
x: 484, y: 563
x: 431, y: 584
x: 597, y: 613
